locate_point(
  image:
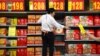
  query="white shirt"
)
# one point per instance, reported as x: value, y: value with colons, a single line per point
x: 48, y: 23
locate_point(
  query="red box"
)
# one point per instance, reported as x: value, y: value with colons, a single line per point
x: 98, y: 49
x: 76, y: 34
x: 79, y: 49
x: 76, y: 20
x: 22, y: 52
x: 90, y: 20
x: 98, y: 33
x: 96, y: 20
x: 93, y: 49
x: 21, y: 41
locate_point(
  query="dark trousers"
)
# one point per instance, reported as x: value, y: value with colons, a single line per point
x: 48, y: 41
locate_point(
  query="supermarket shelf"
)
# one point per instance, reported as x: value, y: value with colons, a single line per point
x: 40, y: 45
x: 12, y: 13
x: 13, y: 25
x: 36, y: 12
x: 81, y: 42
x: 34, y: 34
x: 35, y: 24
x: 82, y: 54
x: 13, y: 47
x: 13, y: 37
x: 82, y: 13
x: 86, y: 27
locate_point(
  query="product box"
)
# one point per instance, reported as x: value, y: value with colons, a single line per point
x: 37, y: 40
x: 2, y: 52
x: 97, y: 20
x: 86, y: 49
x: 71, y: 48
x: 38, y: 29
x: 76, y: 34
x: 93, y: 48
x: 30, y: 40
x: 22, y: 21
x: 14, y: 21
x: 69, y: 21
x: 79, y: 48
x: 22, y: 52
x: 37, y: 17
x: 98, y: 33
x: 76, y: 20
x: 83, y: 20
x: 21, y: 32
x: 12, y: 52
x: 98, y: 48
x: 12, y: 43
x: 90, y: 20
x: 12, y: 31
x: 22, y: 42
x: 31, y: 30
x: 69, y: 35
x: 3, y: 42
x: 31, y: 18
x: 3, y: 31
x: 38, y: 51
x: 3, y: 20
x: 30, y: 52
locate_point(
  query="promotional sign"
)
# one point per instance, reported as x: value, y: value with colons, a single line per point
x: 94, y: 4
x: 75, y: 5
x: 17, y: 4
x: 3, y: 5
x: 37, y: 5
x: 57, y: 4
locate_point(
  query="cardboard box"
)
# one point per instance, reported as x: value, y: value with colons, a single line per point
x: 38, y: 29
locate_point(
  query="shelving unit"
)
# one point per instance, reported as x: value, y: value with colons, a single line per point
x: 59, y: 16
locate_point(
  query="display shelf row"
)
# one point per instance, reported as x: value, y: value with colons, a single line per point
x: 43, y: 12
x: 29, y: 45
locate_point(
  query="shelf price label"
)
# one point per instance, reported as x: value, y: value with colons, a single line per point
x: 96, y: 4
x: 57, y: 4
x: 2, y: 4
x: 17, y: 4
x: 75, y: 5
x: 37, y: 5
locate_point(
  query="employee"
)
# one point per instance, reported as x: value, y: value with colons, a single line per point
x: 48, y: 26
x: 93, y: 37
